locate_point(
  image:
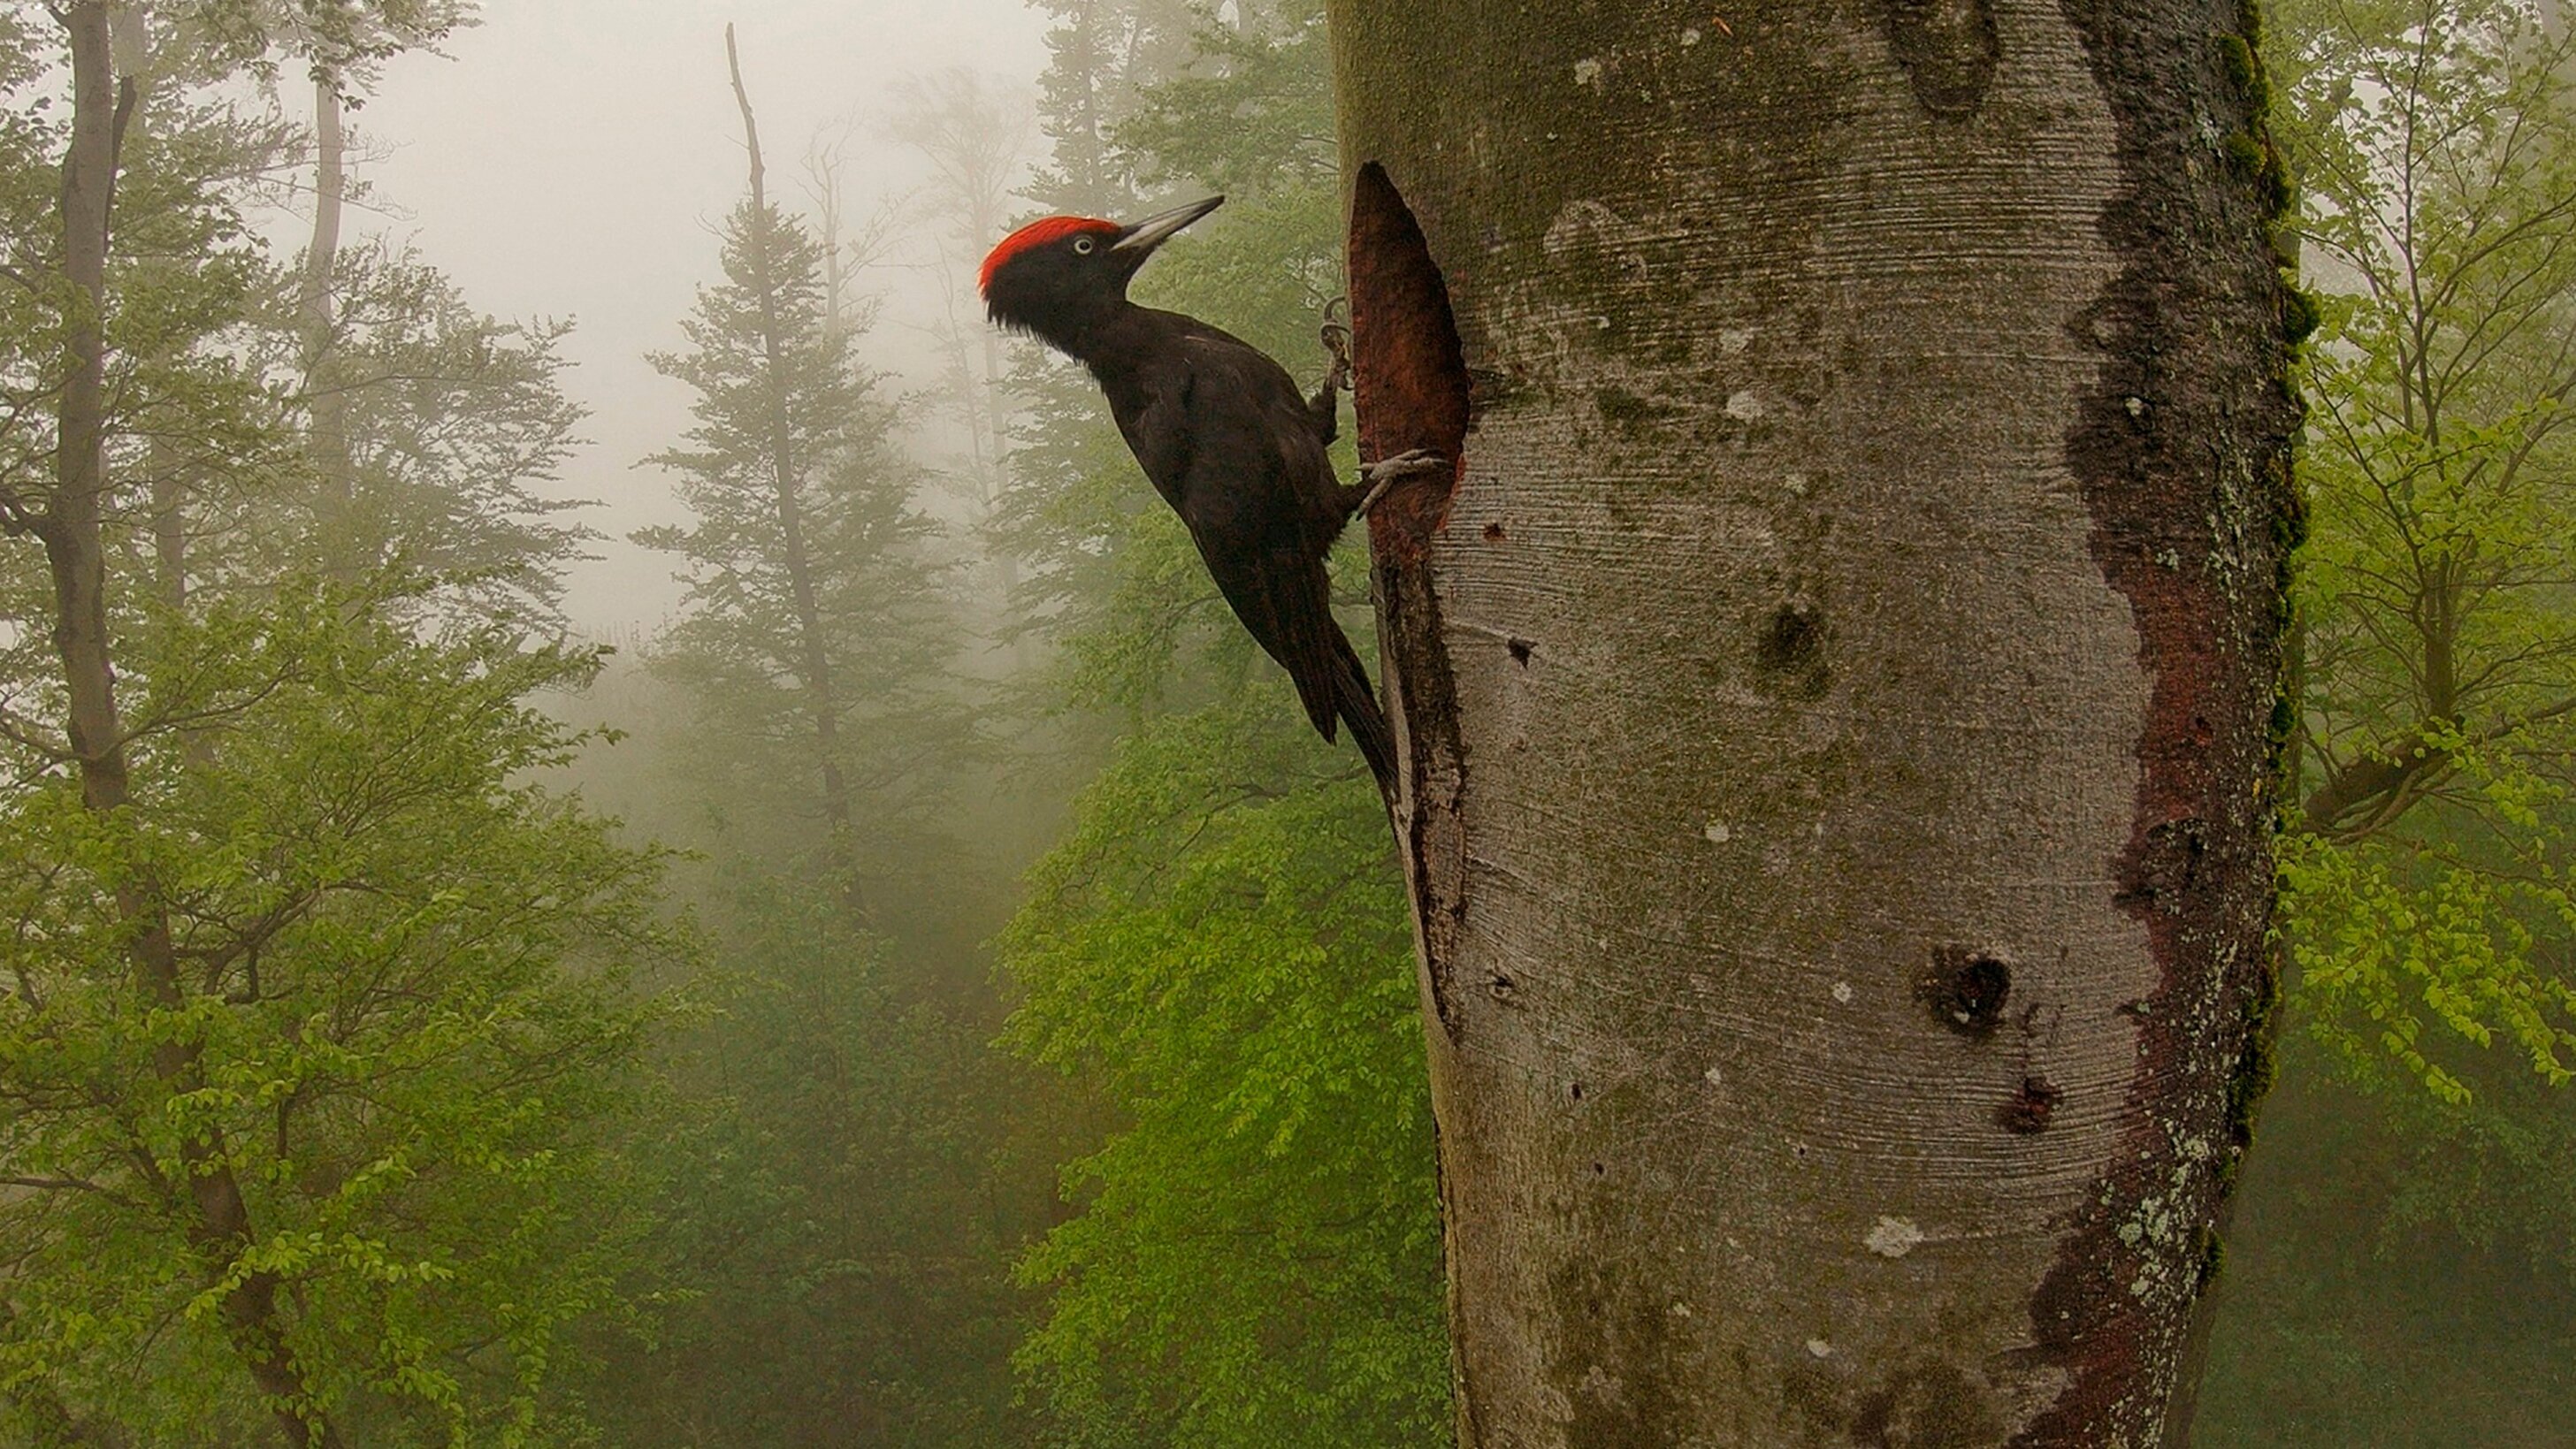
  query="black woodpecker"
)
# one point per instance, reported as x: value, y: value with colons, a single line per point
x: 1226, y: 437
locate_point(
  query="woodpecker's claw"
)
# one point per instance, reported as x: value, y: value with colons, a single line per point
x: 1385, y: 473
x: 1337, y: 342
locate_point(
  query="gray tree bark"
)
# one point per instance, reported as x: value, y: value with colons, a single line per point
x: 1836, y: 695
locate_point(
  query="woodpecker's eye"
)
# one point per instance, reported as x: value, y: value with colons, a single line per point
x: 1082, y: 246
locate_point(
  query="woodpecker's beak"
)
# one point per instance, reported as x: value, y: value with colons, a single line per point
x: 1140, y: 240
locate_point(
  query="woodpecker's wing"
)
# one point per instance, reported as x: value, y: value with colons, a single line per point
x: 1246, y: 414
x: 1278, y: 587
x: 1228, y: 441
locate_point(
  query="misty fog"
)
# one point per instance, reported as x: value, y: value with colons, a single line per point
x: 572, y: 159
x: 622, y: 823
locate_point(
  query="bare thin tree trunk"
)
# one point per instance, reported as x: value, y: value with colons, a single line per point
x: 130, y: 53
x: 824, y: 705
x: 969, y: 132
x: 315, y: 314
x: 1834, y: 697
x: 73, y: 534
x: 823, y: 168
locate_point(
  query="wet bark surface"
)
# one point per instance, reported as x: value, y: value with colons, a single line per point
x: 1835, y: 692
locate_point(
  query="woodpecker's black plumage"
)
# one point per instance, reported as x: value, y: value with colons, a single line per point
x: 1224, y: 434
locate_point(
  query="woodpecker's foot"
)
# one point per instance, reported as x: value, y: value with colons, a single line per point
x: 1337, y: 342
x: 1385, y: 473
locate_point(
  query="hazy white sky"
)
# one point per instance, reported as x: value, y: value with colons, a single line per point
x: 573, y: 156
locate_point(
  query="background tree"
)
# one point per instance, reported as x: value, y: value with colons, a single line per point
x: 315, y: 1006
x: 843, y: 1185
x: 1104, y: 57
x: 803, y: 574
x: 434, y: 431
x: 401, y: 1006
x: 839, y: 1193
x: 815, y: 646
x: 2424, y: 1109
x: 973, y: 132
x: 2435, y: 148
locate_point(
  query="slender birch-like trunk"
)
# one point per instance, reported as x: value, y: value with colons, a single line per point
x: 208, y: 1195
x: 315, y: 317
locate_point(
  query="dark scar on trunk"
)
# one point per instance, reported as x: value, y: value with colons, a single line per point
x: 1949, y: 50
x: 2028, y: 1110
x: 1965, y: 990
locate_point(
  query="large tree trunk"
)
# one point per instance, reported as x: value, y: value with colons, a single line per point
x: 215, y: 1214
x: 1835, y: 695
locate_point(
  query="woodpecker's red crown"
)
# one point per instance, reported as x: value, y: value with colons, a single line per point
x: 1036, y: 234
x: 1064, y: 279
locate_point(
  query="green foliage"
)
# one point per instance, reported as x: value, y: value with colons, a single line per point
x: 832, y: 1214
x: 404, y: 1011
x: 840, y: 1188
x: 2398, y: 1267
x: 344, y: 40
x: 2402, y: 1270
x: 1104, y: 58
x: 2392, y: 942
x: 2429, y: 888
x: 447, y: 422
x: 183, y: 280
x: 313, y: 1047
x: 1220, y: 950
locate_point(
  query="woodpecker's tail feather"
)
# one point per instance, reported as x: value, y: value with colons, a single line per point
x: 1308, y: 641
x: 1358, y: 701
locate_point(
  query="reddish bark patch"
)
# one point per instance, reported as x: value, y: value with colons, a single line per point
x: 1411, y: 391
x: 2181, y: 454
x: 1410, y: 372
